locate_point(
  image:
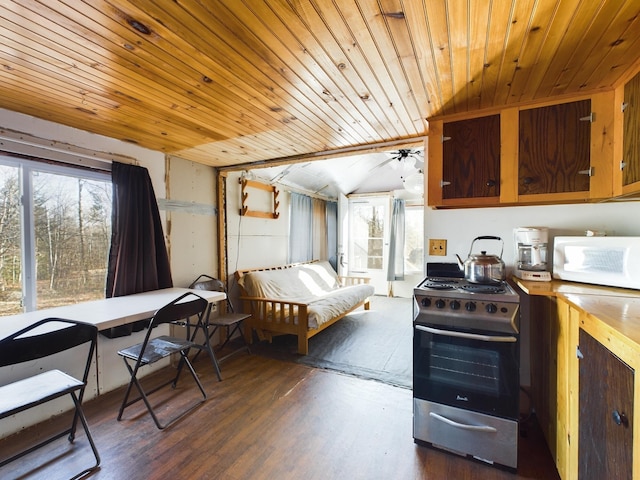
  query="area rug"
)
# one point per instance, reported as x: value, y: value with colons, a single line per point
x: 374, y: 344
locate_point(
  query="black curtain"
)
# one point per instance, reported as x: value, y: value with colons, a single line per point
x: 138, y: 259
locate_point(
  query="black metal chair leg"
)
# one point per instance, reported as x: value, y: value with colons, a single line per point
x: 80, y: 414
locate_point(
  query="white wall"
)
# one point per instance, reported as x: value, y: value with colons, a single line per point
x: 459, y: 227
x: 191, y: 225
x: 252, y: 241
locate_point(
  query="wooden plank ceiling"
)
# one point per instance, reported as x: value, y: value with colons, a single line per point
x: 236, y: 81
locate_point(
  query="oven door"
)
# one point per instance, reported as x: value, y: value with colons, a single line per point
x: 477, y: 371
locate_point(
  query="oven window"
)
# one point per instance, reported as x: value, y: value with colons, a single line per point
x: 468, y: 367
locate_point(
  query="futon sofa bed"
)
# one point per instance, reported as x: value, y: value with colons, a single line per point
x: 300, y: 299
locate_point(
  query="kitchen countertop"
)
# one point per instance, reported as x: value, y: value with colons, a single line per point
x: 556, y: 288
x: 617, y: 308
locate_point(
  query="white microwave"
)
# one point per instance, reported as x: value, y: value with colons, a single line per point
x: 610, y: 261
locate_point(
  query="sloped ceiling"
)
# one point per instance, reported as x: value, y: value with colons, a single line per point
x: 359, y: 174
x: 231, y: 82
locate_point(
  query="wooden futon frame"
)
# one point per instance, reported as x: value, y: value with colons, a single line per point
x: 271, y: 317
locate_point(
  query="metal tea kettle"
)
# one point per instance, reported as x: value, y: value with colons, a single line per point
x: 483, y: 268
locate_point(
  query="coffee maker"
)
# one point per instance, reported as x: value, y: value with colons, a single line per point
x: 531, y: 253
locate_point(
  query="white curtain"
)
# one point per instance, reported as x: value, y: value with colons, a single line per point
x: 300, y: 229
x: 395, y: 269
x: 312, y: 229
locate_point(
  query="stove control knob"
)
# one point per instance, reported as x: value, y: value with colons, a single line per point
x: 426, y: 302
x: 440, y: 303
x: 470, y: 306
x: 491, y: 308
x: 454, y: 305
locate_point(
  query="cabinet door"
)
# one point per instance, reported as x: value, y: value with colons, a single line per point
x: 554, y: 148
x: 471, y: 158
x: 631, y: 132
x: 605, y: 448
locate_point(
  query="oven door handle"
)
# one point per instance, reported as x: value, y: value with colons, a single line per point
x: 475, y: 428
x: 471, y: 336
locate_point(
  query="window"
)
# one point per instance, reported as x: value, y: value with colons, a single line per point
x: 413, y: 239
x: 54, y: 245
x: 368, y: 218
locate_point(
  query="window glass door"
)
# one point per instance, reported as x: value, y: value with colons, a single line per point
x: 369, y: 243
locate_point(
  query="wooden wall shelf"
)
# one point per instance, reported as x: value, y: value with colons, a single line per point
x: 245, y: 211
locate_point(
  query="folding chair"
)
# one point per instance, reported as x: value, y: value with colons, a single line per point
x: 181, y: 312
x: 38, y: 341
x: 231, y: 321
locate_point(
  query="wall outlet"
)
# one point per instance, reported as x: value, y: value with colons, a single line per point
x: 437, y: 247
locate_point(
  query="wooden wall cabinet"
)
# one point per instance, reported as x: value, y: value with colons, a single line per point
x: 565, y: 151
x: 464, y: 162
x: 471, y: 158
x: 554, y: 149
x: 548, y: 153
x: 628, y: 168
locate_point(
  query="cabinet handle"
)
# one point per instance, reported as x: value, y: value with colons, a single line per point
x: 587, y: 172
x: 624, y: 106
x: 445, y: 139
x: 620, y: 418
x: 491, y: 183
x: 444, y: 183
x: 527, y: 180
x: 622, y: 164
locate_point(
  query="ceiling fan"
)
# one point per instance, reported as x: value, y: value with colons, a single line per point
x: 409, y: 157
x: 404, y: 153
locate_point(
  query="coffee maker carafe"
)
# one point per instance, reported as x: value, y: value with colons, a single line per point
x: 531, y: 253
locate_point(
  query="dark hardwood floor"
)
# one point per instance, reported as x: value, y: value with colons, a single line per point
x: 267, y: 419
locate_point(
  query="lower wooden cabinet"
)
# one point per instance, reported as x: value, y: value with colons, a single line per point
x: 605, y: 446
x: 582, y: 392
x: 553, y: 369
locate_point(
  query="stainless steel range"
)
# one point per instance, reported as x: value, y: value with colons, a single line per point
x: 466, y: 376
